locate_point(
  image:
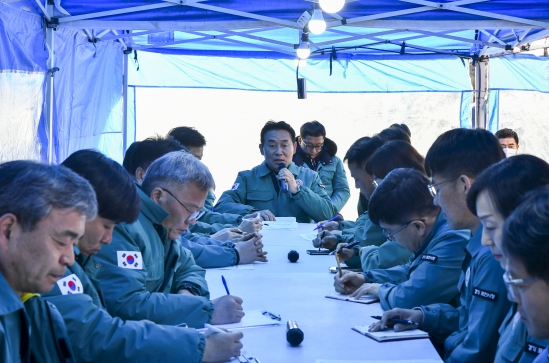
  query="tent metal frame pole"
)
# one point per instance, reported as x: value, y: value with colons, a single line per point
x: 125, y: 104
x: 481, y: 94
x: 50, y: 43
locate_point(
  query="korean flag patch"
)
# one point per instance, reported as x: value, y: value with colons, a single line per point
x: 130, y: 259
x: 235, y: 186
x: 70, y: 285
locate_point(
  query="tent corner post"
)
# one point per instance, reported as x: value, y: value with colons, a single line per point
x: 126, y: 55
x: 482, y: 85
x: 51, y: 69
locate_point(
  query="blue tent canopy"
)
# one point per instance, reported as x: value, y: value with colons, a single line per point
x: 82, y: 100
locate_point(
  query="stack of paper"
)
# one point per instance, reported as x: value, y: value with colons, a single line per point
x: 252, y: 319
x: 391, y: 335
x: 281, y: 223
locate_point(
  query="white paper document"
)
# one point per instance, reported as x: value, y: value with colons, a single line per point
x: 389, y: 335
x: 247, y: 266
x: 281, y: 223
x: 252, y: 319
x: 379, y: 361
x: 308, y: 236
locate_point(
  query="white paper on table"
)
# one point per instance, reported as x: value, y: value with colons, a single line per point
x: 247, y: 266
x: 281, y: 223
x: 308, y: 236
x: 364, y: 299
x: 379, y: 361
x: 252, y: 319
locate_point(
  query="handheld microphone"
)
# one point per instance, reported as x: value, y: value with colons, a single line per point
x: 293, y: 256
x: 294, y: 335
x: 284, y: 182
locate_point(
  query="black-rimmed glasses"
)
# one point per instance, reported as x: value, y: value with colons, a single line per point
x: 391, y: 236
x: 194, y: 215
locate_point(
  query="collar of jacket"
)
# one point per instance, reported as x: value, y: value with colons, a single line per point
x: 438, y: 223
x: 264, y: 170
x: 474, y: 246
x: 9, y: 301
x: 155, y: 213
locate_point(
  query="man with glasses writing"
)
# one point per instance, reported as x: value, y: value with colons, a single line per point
x: 317, y: 152
x: 469, y: 332
x: 145, y: 273
x: 402, y: 206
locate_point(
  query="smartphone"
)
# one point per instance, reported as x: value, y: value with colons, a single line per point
x: 317, y: 252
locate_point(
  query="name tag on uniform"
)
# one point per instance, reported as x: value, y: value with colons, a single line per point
x: 70, y: 285
x: 429, y: 258
x: 130, y: 259
x: 488, y: 295
x: 533, y: 348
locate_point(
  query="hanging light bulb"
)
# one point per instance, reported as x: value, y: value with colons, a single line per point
x: 317, y: 25
x: 303, y: 51
x: 331, y: 6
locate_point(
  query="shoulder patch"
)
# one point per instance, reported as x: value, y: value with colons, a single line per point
x: 235, y: 186
x: 70, y: 285
x: 130, y: 259
x: 299, y: 182
x: 533, y: 348
x: 488, y: 295
x: 429, y: 258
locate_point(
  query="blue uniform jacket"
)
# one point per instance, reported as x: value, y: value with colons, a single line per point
x: 14, y: 326
x: 515, y: 344
x: 254, y: 190
x: 472, y: 328
x: 543, y: 357
x: 96, y: 336
x: 430, y: 276
x: 141, y: 271
x: 210, y: 253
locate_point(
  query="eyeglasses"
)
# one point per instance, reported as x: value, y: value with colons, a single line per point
x: 433, y: 189
x: 194, y: 215
x: 312, y: 147
x: 513, y: 284
x: 391, y: 236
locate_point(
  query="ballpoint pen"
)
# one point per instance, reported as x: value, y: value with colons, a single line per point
x: 398, y: 321
x: 350, y: 245
x: 225, y: 284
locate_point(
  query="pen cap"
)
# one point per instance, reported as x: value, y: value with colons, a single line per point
x: 294, y: 335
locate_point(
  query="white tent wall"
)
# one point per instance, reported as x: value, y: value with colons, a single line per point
x: 87, y: 95
x: 231, y: 121
x: 22, y: 74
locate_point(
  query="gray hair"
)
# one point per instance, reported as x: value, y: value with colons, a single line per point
x: 30, y: 190
x: 177, y: 167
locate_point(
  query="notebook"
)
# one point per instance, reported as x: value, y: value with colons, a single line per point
x: 391, y: 335
x: 281, y: 223
x: 252, y: 319
x: 364, y: 299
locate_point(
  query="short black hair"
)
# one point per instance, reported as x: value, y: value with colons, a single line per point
x: 362, y: 149
x: 151, y: 149
x: 116, y: 193
x: 188, y: 136
x: 393, y: 155
x: 312, y: 128
x: 526, y: 233
x: 463, y: 152
x: 394, y: 133
x: 276, y: 125
x: 506, y: 133
x: 403, y: 127
x: 403, y: 195
x: 126, y: 163
x: 508, y: 181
